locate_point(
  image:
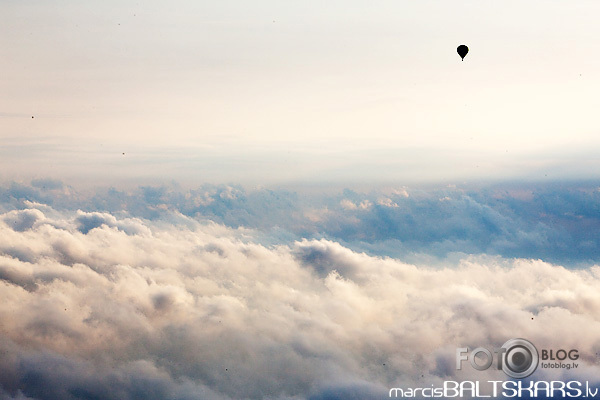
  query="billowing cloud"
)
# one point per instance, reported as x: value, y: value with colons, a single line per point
x: 97, y: 305
x: 23, y: 220
x: 553, y: 222
x: 88, y: 221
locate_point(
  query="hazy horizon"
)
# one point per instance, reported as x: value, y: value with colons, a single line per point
x: 272, y: 92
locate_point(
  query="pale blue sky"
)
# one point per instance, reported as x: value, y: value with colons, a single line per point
x: 274, y: 91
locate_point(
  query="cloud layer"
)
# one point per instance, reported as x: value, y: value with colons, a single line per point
x: 553, y: 222
x: 101, y: 306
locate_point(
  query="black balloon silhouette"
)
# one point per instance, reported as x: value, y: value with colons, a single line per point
x: 462, y: 51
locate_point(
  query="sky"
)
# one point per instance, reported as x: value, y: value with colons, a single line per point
x: 274, y: 92
x: 288, y: 200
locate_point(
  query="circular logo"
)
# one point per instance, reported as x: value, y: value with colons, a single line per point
x: 520, y: 358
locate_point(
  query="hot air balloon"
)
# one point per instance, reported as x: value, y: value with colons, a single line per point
x: 462, y: 51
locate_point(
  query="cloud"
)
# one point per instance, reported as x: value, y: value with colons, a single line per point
x: 49, y: 376
x: 23, y: 220
x: 182, y: 309
x: 45, y: 183
x: 554, y: 222
x: 88, y: 221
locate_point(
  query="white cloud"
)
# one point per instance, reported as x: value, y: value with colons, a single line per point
x: 363, y: 205
x: 202, y: 311
x: 348, y: 205
x: 387, y: 202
